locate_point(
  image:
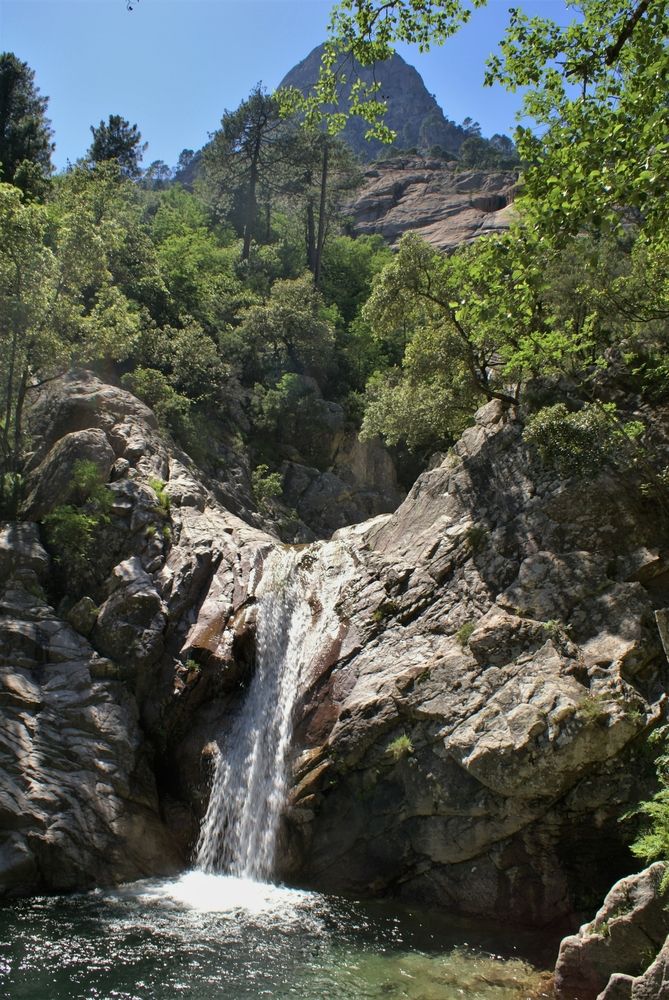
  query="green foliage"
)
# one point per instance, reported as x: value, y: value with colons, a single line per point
x: 592, y: 708
x: 239, y: 163
x: 400, y: 747
x: 598, y: 153
x: 287, y: 331
x: 72, y: 529
x: 367, y: 30
x: 386, y: 609
x: 464, y: 632
x: 155, y: 390
x: 652, y: 844
x: 476, y: 537
x: 87, y: 487
x: 118, y: 140
x: 349, y: 267
x: 265, y: 485
x: 70, y: 533
x: 496, y: 153
x: 158, y: 487
x: 579, y: 443
x: 25, y: 131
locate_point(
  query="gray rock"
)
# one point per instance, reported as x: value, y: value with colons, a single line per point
x: 21, y: 550
x: 632, y: 923
x: 50, y: 482
x: 131, y: 622
x: 429, y: 198
x: 77, y: 806
x: 82, y: 615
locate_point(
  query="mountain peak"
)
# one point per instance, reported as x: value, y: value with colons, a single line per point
x: 413, y: 113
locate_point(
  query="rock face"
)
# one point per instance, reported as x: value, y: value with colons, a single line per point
x: 623, y: 954
x: 444, y: 205
x: 78, y: 801
x: 412, y: 113
x: 470, y: 738
x: 477, y: 732
x: 82, y: 685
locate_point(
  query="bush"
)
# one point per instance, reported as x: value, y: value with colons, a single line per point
x: 579, y: 443
x: 400, y: 747
x: 154, y: 389
x: 158, y: 487
x: 265, y: 485
x: 652, y: 844
x: 71, y: 529
x: 70, y: 532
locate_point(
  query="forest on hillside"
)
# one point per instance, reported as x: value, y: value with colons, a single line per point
x: 231, y: 299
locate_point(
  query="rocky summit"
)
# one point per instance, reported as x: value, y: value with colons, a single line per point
x: 412, y: 112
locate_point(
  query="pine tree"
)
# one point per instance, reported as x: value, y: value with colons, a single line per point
x: 25, y: 131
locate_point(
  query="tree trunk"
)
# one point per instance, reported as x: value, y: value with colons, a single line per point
x: 320, y: 241
x: 311, y: 237
x: 252, y: 207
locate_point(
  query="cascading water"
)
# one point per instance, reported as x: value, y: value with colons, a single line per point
x: 296, y: 618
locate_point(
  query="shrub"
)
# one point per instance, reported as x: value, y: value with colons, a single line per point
x: 464, y: 632
x: 475, y: 537
x: 71, y: 528
x: 265, y: 485
x: 70, y: 532
x: 652, y: 844
x: 579, y: 443
x: 400, y: 747
x: 158, y: 487
x: 154, y: 389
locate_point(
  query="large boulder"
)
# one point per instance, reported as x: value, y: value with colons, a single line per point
x: 622, y: 951
x: 78, y: 803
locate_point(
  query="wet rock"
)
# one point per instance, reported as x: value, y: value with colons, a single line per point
x: 78, y: 807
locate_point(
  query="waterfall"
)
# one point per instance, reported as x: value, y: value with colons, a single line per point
x: 296, y: 617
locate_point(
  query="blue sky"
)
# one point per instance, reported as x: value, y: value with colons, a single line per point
x: 174, y: 66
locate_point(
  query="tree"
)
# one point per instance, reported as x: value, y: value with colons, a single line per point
x: 319, y: 171
x: 25, y: 131
x: 288, y: 333
x: 596, y: 89
x: 239, y: 161
x: 495, y: 314
x: 118, y: 140
x: 28, y: 340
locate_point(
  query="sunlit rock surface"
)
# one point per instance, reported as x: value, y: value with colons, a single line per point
x: 479, y: 731
x: 471, y: 736
x: 436, y: 200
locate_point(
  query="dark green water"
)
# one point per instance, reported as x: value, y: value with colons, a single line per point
x: 209, y: 937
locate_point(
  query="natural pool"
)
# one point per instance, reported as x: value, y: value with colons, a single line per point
x: 214, y: 937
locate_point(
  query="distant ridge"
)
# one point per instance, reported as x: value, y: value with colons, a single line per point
x: 413, y: 113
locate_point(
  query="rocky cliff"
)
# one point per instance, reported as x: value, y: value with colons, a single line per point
x: 413, y: 112
x: 470, y: 738
x: 478, y: 731
x: 443, y: 204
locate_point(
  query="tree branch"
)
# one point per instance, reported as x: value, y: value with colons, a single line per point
x: 626, y: 32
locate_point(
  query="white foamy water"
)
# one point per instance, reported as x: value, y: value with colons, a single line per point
x: 297, y: 621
